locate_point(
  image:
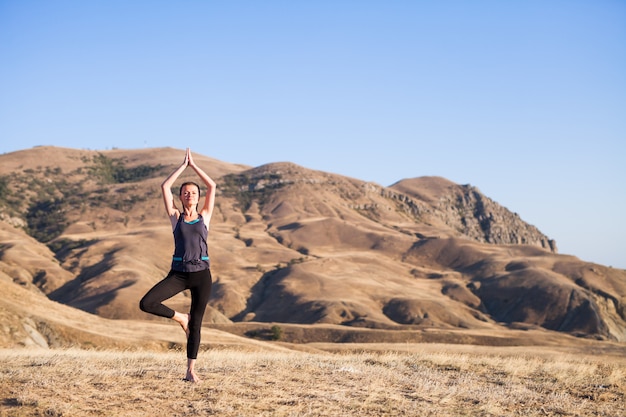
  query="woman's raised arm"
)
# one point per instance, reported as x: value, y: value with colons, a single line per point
x: 166, y: 190
x: 209, y: 201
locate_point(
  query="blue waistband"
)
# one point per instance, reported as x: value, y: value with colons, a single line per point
x: 177, y: 258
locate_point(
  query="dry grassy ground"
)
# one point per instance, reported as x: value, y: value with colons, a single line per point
x: 426, y: 380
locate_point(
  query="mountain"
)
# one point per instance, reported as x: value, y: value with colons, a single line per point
x: 295, y: 245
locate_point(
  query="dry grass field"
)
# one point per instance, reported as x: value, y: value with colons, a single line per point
x: 410, y: 380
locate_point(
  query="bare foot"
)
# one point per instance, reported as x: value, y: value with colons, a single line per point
x: 185, y: 323
x: 183, y: 320
x: 192, y: 377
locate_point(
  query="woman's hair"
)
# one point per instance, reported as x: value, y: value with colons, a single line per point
x: 180, y: 191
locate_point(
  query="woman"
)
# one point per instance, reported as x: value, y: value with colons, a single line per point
x: 190, y: 263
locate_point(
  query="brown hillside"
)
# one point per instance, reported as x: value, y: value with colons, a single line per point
x: 293, y: 245
x: 29, y: 319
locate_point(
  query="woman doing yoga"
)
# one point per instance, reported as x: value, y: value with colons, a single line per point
x: 190, y: 263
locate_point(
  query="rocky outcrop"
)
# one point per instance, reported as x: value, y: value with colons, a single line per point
x: 484, y: 220
x: 465, y: 209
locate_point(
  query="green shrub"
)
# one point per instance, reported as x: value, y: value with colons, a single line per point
x: 46, y: 219
x: 277, y: 332
x: 244, y: 188
x: 113, y: 171
x: 4, y: 188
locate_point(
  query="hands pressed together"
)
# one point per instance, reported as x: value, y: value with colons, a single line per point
x: 188, y: 159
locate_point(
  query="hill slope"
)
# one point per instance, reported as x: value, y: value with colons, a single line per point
x: 294, y: 245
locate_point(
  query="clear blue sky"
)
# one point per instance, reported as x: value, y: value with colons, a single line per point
x: 525, y: 100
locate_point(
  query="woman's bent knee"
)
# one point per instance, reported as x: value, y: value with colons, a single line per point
x: 146, y: 306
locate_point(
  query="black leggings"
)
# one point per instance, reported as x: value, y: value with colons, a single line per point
x: 200, y: 285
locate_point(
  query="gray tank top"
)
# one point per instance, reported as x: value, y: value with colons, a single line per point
x: 190, y: 242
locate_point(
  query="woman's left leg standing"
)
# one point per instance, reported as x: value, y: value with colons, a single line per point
x: 200, y: 285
